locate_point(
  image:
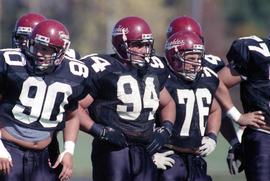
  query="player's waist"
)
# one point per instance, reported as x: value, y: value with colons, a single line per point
x: 265, y: 128
x: 178, y: 149
x: 35, y: 145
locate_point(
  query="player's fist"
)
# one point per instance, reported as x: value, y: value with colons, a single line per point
x: 108, y: 134
x: 160, y: 138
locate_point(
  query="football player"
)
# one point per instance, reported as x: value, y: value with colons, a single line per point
x: 42, y: 88
x: 198, y: 115
x: 248, y: 59
x: 126, y: 89
x: 23, y: 28
x: 187, y: 23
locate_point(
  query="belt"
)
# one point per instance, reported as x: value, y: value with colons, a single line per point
x: 194, y: 151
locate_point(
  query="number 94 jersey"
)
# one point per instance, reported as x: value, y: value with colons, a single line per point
x: 125, y: 98
x: 39, y: 102
x: 250, y: 57
x: 193, y: 101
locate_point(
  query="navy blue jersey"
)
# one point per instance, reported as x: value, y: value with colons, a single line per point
x: 71, y: 53
x: 250, y: 57
x: 126, y: 98
x: 39, y: 102
x: 213, y: 62
x: 193, y: 100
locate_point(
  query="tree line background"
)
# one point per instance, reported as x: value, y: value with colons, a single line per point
x: 90, y: 24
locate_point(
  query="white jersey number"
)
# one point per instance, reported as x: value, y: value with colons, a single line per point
x: 128, y: 92
x: 262, y: 48
x: 40, y: 100
x: 188, y: 98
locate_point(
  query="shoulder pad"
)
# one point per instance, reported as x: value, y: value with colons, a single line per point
x: 207, y: 72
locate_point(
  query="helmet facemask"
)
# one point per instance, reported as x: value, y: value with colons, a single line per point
x: 46, y: 61
x: 139, y: 51
x: 187, y: 64
x: 20, y: 37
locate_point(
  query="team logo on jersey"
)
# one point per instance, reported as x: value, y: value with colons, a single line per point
x: 120, y: 31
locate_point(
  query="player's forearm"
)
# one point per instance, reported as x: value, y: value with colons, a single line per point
x: 71, y: 127
x: 86, y: 121
x: 214, y: 119
x: 224, y: 97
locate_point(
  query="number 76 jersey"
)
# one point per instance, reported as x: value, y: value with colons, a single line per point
x: 193, y: 101
x: 39, y: 102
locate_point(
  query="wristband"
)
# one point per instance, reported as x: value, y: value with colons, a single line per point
x: 168, y: 125
x: 213, y: 136
x: 233, y: 114
x: 69, y: 147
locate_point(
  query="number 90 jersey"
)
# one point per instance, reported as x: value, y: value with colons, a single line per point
x: 39, y: 102
x: 125, y: 98
x: 193, y: 101
x: 250, y: 57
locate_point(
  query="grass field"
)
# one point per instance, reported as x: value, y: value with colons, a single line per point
x: 217, y: 166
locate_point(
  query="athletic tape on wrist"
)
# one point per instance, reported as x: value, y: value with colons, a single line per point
x: 69, y: 146
x: 233, y: 114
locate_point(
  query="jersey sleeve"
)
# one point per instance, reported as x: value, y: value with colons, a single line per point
x: 238, y: 57
x: 160, y: 68
x: 73, y: 54
x: 2, y: 64
x: 95, y: 67
x: 3, y: 68
x: 213, y: 62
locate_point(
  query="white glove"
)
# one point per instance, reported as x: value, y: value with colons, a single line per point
x: 162, y: 160
x: 208, y: 146
x: 3, y: 152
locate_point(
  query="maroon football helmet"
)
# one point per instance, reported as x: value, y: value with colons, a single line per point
x: 24, y: 27
x: 49, y: 34
x: 179, y: 49
x: 130, y: 32
x: 184, y: 23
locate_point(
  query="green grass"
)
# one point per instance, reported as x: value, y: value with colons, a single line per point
x: 217, y: 165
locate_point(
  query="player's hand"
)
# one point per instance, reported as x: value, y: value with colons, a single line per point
x: 208, y: 146
x: 108, y: 134
x: 5, y: 159
x: 161, y: 137
x: 255, y: 119
x: 234, y: 159
x: 66, y: 159
x: 114, y: 136
x: 162, y: 160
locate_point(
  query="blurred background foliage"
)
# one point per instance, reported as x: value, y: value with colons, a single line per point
x: 90, y: 24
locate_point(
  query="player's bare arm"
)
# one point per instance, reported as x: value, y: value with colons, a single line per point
x: 229, y: 78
